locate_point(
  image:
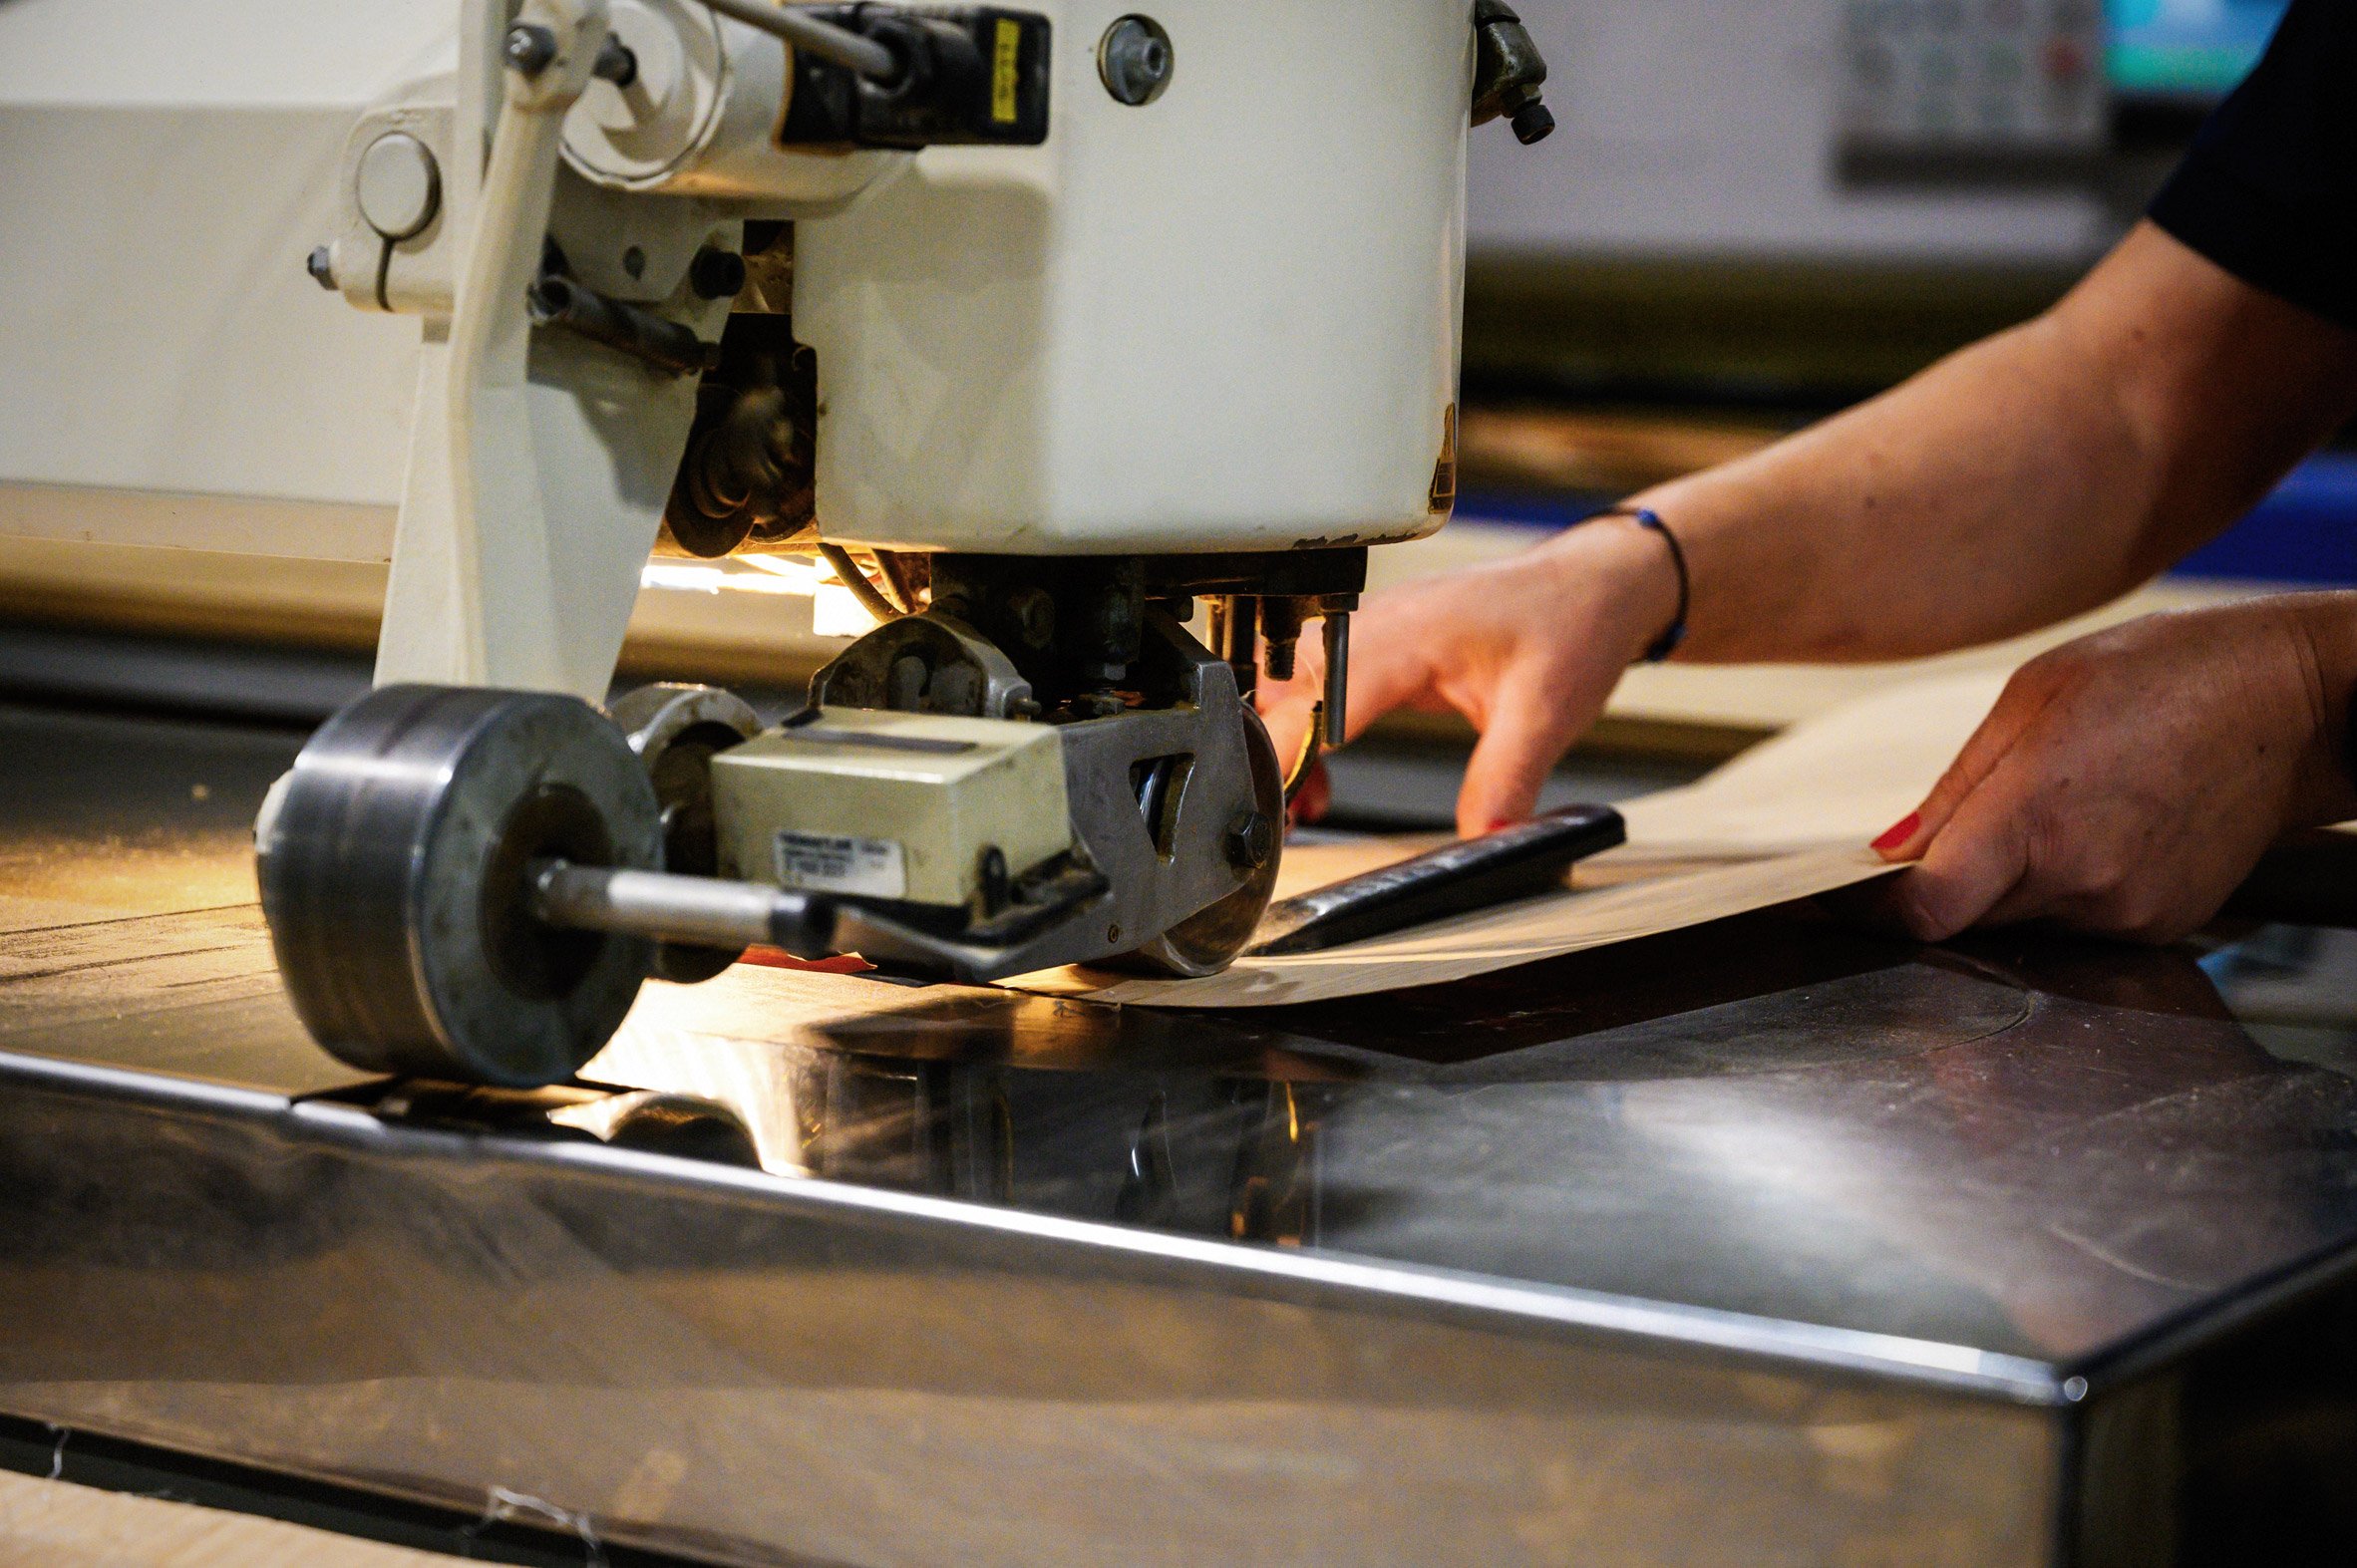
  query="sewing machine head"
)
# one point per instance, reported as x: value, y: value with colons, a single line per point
x: 1045, y: 327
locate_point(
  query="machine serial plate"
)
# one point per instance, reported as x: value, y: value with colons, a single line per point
x: 829, y: 863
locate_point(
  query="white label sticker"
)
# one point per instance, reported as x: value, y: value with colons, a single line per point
x: 825, y: 863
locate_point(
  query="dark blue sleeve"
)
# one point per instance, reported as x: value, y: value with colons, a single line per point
x: 2269, y: 189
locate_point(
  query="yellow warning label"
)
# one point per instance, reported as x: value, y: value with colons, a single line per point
x: 1008, y: 41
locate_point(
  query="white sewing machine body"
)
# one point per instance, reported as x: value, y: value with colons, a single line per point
x: 1227, y: 319
x: 1224, y: 320
x: 1066, y: 316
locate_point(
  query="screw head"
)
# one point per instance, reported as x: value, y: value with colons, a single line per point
x: 1135, y: 60
x: 1250, y: 841
x: 528, y: 48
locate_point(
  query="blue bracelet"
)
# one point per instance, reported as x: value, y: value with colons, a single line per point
x: 1646, y: 517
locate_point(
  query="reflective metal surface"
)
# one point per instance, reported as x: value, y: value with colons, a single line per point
x: 1760, y: 1243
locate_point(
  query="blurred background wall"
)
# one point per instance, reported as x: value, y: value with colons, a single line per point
x: 1755, y: 211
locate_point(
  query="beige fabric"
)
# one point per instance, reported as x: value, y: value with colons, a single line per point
x: 1523, y: 933
x: 1787, y: 819
x: 1838, y: 780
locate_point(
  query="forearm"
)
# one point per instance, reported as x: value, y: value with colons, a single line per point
x: 2031, y: 476
x: 1987, y: 495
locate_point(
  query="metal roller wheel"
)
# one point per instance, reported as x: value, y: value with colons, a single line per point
x: 392, y: 863
x: 676, y: 731
x: 1208, y: 941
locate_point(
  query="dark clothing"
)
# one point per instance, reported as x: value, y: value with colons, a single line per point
x: 2269, y: 189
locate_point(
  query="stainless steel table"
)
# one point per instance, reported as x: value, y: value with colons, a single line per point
x: 1763, y: 1244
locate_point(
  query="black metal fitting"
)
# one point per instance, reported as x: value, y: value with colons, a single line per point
x: 1235, y: 637
x: 1507, y: 72
x: 717, y: 273
x: 967, y: 75
x: 321, y: 264
x: 997, y: 886
x: 1280, y: 633
x: 746, y: 478
x: 615, y: 62
x: 528, y: 48
x: 666, y: 345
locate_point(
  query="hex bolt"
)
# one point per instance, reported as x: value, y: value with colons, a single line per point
x: 1249, y: 841
x: 717, y: 273
x: 321, y: 264
x: 1134, y: 60
x: 528, y: 48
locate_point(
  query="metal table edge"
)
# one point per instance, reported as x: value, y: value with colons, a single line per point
x: 1954, y: 1369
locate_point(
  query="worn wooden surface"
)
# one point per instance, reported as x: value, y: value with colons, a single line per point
x: 57, y: 1524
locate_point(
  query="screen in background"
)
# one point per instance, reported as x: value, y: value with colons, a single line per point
x: 2186, y: 49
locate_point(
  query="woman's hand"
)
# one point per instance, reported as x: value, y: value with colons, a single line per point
x: 2125, y: 783
x: 1526, y: 648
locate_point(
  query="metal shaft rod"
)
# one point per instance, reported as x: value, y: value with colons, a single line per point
x: 665, y: 344
x: 699, y: 911
x: 852, y: 50
x: 707, y: 911
x: 1337, y: 624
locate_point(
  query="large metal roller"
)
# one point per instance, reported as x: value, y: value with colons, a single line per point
x: 396, y: 862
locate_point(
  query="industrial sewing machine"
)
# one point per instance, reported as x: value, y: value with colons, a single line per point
x: 1766, y: 1238
x: 1041, y: 326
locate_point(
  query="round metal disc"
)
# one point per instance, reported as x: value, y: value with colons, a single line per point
x: 392, y: 863
x: 1209, y: 940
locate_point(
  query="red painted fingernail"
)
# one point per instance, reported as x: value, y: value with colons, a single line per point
x: 1901, y: 832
